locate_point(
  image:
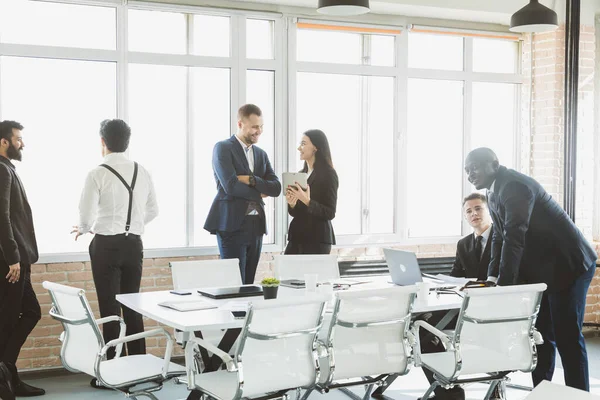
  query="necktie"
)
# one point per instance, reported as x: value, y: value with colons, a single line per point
x: 478, y: 240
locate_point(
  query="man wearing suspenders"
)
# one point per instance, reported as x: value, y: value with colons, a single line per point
x: 118, y: 200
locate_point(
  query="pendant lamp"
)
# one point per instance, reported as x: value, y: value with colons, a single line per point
x: 343, y: 7
x: 534, y: 17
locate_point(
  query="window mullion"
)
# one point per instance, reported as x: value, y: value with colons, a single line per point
x: 190, y: 211
x: 364, y: 161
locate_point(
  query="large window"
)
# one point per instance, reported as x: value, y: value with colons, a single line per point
x: 356, y: 112
x: 462, y: 94
x: 400, y: 109
x: 178, y: 87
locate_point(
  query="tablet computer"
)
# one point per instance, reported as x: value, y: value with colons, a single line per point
x: 290, y: 179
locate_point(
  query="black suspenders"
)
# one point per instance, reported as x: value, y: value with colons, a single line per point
x: 129, y: 189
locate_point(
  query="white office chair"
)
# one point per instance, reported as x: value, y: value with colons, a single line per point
x: 294, y: 266
x: 83, y: 348
x: 277, y: 352
x: 205, y: 273
x: 494, y: 336
x: 367, y: 340
x: 197, y: 274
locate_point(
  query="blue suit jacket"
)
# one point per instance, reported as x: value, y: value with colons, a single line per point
x: 533, y: 239
x: 231, y: 202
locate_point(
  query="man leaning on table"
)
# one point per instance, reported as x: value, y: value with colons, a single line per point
x: 535, y: 241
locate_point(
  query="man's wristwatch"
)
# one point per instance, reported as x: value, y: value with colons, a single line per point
x: 252, y: 181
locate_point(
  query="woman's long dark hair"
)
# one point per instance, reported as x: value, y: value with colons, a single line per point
x: 323, y: 154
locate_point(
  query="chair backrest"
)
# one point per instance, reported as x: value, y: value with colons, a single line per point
x: 288, y: 266
x: 205, y: 273
x: 277, y: 348
x: 495, y: 328
x: 82, y: 339
x: 368, y: 333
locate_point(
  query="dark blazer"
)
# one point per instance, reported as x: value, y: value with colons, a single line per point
x: 534, y: 240
x: 312, y: 224
x: 17, y: 236
x: 467, y: 264
x: 231, y: 202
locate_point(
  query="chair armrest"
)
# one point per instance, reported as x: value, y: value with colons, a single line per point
x: 416, y: 342
x: 231, y: 366
x: 441, y: 335
x: 120, y: 341
x: 122, y: 330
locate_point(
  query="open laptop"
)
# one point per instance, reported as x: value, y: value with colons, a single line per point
x: 403, y: 266
x: 231, y: 292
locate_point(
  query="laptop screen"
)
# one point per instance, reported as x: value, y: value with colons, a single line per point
x: 403, y: 266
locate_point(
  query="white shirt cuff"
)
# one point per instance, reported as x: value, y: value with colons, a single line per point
x: 492, y: 279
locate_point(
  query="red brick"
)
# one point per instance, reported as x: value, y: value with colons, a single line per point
x: 63, y: 267
x: 80, y: 276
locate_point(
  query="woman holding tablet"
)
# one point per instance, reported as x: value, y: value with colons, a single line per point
x: 313, y: 208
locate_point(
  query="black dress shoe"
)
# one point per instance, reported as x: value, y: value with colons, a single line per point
x: 6, y: 389
x: 96, y: 385
x: 22, y: 389
x: 456, y: 393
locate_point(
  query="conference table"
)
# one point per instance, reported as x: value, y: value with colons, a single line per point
x: 221, y: 318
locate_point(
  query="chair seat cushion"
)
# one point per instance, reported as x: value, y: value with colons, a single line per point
x: 220, y: 384
x: 119, y: 371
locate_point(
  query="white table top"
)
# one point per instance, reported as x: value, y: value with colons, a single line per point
x: 221, y: 318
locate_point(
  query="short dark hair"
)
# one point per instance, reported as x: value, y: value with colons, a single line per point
x: 475, y: 196
x: 247, y: 110
x: 116, y: 134
x: 6, y: 129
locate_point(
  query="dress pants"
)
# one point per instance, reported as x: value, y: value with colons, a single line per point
x: 19, y: 313
x: 307, y: 248
x: 117, y: 269
x: 244, y: 244
x: 560, y: 321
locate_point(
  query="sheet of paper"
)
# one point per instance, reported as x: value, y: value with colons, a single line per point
x: 449, y: 279
x: 187, y: 305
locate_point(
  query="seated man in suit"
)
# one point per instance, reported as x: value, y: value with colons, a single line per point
x: 472, y: 260
x: 473, y: 251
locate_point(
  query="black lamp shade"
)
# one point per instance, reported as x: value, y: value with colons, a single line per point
x: 534, y: 17
x: 343, y: 7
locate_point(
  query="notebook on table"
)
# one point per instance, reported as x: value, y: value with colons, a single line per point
x: 231, y: 292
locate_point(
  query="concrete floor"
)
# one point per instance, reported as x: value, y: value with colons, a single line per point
x: 409, y: 387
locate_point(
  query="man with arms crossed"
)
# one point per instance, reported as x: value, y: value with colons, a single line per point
x: 534, y: 241
x: 19, y: 307
x: 117, y: 201
x: 244, y: 177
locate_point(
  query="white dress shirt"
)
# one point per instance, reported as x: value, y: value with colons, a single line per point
x: 249, y: 152
x: 484, y: 239
x: 105, y: 200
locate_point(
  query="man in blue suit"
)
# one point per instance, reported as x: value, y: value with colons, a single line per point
x: 534, y: 241
x: 244, y: 177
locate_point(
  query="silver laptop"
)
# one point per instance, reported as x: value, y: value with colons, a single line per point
x: 403, y: 267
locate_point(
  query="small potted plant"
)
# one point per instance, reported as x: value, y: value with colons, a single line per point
x: 270, y: 286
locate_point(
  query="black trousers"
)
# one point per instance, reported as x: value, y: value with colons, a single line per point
x: 307, y: 248
x: 244, y: 244
x: 19, y: 313
x: 560, y: 321
x: 117, y: 269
